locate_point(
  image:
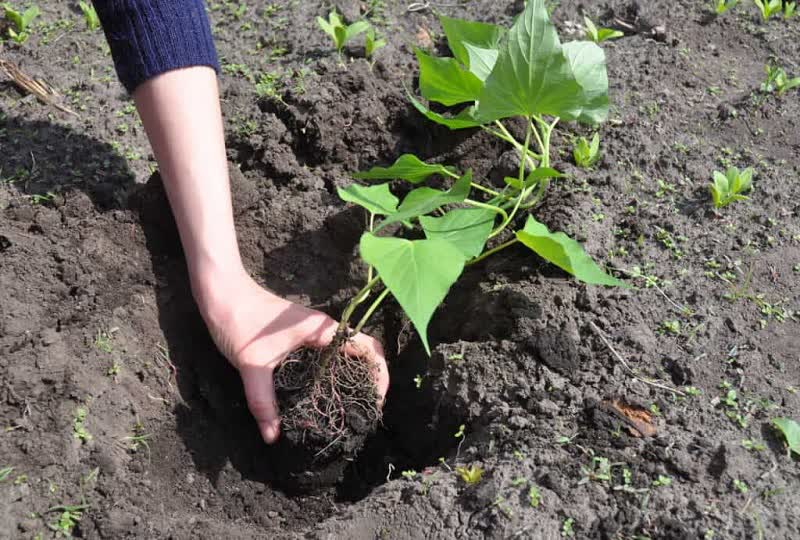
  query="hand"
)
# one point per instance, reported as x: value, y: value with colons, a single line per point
x: 256, y: 330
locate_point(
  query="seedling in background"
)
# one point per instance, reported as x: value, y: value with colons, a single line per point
x: 789, y: 10
x: 372, y: 43
x: 21, y: 22
x: 778, y: 81
x: 470, y: 475
x: 340, y: 32
x: 790, y: 431
x: 599, y: 35
x: 89, y: 15
x: 68, y: 518
x: 768, y: 8
x: 727, y: 188
x: 721, y: 6
x: 495, y: 74
x: 585, y: 153
x: 78, y: 429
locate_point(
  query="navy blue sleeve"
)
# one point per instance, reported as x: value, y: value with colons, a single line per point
x: 150, y: 37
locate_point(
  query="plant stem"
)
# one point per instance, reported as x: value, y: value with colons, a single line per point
x: 357, y: 299
x: 523, y: 193
x: 492, y: 251
x: 370, y: 311
x: 485, y: 189
x: 490, y: 207
x: 371, y: 227
x: 505, y: 135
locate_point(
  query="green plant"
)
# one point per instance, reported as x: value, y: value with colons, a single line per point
x: 778, y: 81
x: 727, y: 188
x: 68, y: 518
x: 721, y: 6
x: 89, y: 15
x: 662, y: 481
x: 789, y: 10
x: 21, y: 21
x: 534, y: 496
x: 790, y: 431
x: 5, y: 472
x: 599, y: 35
x: 585, y: 153
x: 523, y: 73
x: 768, y: 8
x: 340, y: 32
x: 470, y: 475
x: 568, y: 528
x: 372, y: 43
x: 78, y: 429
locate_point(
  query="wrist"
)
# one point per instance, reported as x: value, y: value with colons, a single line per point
x: 215, y: 284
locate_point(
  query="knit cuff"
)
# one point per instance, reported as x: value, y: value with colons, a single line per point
x: 150, y: 37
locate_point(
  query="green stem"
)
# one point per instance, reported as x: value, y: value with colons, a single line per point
x: 544, y: 183
x: 371, y: 228
x: 357, y: 299
x: 505, y: 135
x: 485, y: 189
x: 490, y: 207
x: 493, y: 251
x: 451, y: 174
x: 370, y: 311
x: 523, y: 194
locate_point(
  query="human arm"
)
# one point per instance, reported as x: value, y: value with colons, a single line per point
x: 176, y: 93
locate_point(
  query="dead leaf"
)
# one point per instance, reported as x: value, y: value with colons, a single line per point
x: 424, y: 39
x: 638, y: 420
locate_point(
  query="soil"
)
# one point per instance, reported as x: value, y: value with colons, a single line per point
x: 545, y: 375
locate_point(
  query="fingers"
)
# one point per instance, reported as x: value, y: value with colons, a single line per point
x: 260, y: 392
x: 371, y: 350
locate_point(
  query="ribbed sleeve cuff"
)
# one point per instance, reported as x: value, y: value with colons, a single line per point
x: 150, y: 37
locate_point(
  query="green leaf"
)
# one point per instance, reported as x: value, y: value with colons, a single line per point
x: 358, y: 27
x: 340, y: 33
x: 459, y: 32
x: 564, y: 252
x: 425, y: 200
x: 326, y: 27
x: 465, y: 228
x: 417, y: 272
x: 444, y: 81
x: 463, y: 120
x: 534, y: 176
x: 791, y: 431
x: 407, y: 167
x: 376, y: 199
x: 481, y: 61
x: 605, y: 34
x: 531, y: 72
x: 589, y: 103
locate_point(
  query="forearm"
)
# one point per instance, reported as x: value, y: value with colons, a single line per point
x: 181, y: 114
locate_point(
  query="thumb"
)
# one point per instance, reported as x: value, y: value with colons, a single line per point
x: 260, y: 392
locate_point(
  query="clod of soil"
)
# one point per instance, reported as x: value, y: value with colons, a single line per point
x: 329, y: 406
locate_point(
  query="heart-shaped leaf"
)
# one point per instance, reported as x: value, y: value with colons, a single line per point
x: 465, y: 228
x: 791, y: 432
x: 407, y: 167
x: 424, y: 200
x: 459, y: 32
x: 376, y: 199
x: 564, y: 252
x: 417, y: 272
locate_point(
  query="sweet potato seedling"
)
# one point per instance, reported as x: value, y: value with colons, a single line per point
x: 21, y: 21
x: 599, y: 35
x: 523, y: 73
x: 340, y: 32
x: 372, y: 43
x: 89, y: 15
x: 789, y: 10
x: 768, y: 8
x: 586, y: 153
x: 727, y: 188
x: 778, y: 81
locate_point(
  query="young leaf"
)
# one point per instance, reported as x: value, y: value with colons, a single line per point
x: 417, y: 272
x: 791, y: 432
x: 424, y: 200
x: 372, y: 43
x: 444, y: 81
x: 376, y: 199
x: 465, y: 228
x: 565, y: 253
x: 463, y: 120
x: 355, y: 29
x: 589, y: 103
x: 536, y: 175
x: 459, y: 32
x: 407, y: 167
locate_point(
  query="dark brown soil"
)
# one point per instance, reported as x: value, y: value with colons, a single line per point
x: 96, y: 313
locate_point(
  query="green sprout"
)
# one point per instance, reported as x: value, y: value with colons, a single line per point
x: 662, y: 481
x: 470, y: 475
x: 568, y: 528
x: 495, y: 74
x: 89, y: 15
x: 78, y: 428
x: 340, y: 32
x: 21, y: 21
x: 778, y: 81
x: 372, y: 43
x: 727, y: 188
x: 768, y: 8
x: 68, y: 518
x: 585, y: 153
x: 534, y: 496
x: 599, y: 35
x: 789, y: 10
x: 721, y: 6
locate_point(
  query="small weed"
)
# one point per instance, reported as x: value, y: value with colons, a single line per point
x: 727, y: 188
x: 21, y: 21
x: 470, y: 475
x: 721, y: 6
x: 768, y: 8
x: 89, y: 15
x: 340, y: 32
x: 68, y: 518
x: 534, y: 496
x: 5, y: 472
x: 789, y: 10
x: 78, y: 428
x: 740, y: 486
x: 568, y: 528
x: 599, y: 35
x: 662, y: 481
x: 778, y: 81
x: 585, y: 153
x: 372, y: 43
